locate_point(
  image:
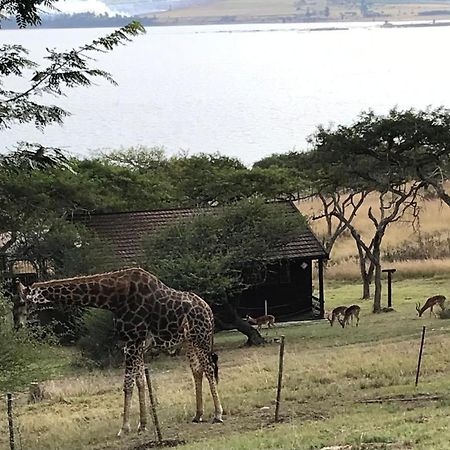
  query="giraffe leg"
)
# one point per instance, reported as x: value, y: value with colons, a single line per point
x: 197, y: 373
x: 140, y: 383
x: 198, y: 380
x: 128, y: 393
x: 128, y: 384
x: 209, y: 372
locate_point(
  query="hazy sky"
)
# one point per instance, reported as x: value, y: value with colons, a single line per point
x: 78, y: 6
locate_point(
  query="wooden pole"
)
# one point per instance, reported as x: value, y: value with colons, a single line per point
x: 321, y: 290
x: 153, y: 405
x: 420, y: 356
x: 10, y: 420
x: 280, y: 379
x: 389, y: 280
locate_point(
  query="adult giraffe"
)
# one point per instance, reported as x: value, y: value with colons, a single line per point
x: 148, y: 313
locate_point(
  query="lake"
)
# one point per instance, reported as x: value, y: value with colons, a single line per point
x: 242, y: 90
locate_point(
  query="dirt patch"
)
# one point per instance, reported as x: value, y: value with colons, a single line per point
x: 159, y: 444
x: 401, y: 398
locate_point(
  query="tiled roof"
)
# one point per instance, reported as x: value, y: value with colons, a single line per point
x: 126, y: 230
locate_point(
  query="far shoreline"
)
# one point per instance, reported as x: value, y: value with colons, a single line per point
x: 377, y: 22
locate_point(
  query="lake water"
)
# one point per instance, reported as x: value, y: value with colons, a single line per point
x: 244, y: 90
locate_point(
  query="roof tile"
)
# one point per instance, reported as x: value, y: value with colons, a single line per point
x: 125, y: 231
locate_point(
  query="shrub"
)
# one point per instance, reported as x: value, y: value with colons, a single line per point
x: 425, y: 246
x: 99, y: 342
x: 21, y: 351
x: 444, y: 314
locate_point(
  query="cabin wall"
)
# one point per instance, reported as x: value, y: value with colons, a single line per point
x: 287, y: 288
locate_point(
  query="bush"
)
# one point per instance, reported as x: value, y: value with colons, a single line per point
x: 21, y: 351
x: 425, y: 246
x: 444, y: 314
x: 99, y: 342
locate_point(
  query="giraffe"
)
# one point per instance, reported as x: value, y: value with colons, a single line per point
x: 148, y: 313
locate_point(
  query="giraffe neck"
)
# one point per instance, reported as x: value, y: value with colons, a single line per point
x: 97, y: 292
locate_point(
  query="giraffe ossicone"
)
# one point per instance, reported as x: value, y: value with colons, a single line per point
x: 147, y: 313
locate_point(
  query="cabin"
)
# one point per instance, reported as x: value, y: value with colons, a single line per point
x: 285, y: 289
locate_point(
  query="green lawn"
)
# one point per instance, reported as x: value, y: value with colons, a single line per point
x: 333, y: 379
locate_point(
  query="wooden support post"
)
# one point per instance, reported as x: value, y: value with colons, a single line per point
x: 420, y: 356
x: 153, y: 406
x: 321, y: 290
x: 280, y: 379
x: 10, y: 420
x: 389, y: 275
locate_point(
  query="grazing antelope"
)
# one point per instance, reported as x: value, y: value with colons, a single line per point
x: 350, y: 313
x: 336, y: 314
x: 431, y: 303
x: 262, y: 320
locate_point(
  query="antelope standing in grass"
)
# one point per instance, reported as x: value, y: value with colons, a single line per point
x: 350, y: 313
x: 262, y: 320
x: 431, y: 303
x: 336, y: 314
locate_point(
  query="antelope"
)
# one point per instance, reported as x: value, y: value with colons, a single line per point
x: 431, y: 303
x: 336, y: 314
x: 262, y: 320
x: 350, y: 313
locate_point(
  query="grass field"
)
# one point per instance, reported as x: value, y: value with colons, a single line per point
x: 431, y: 235
x: 330, y: 375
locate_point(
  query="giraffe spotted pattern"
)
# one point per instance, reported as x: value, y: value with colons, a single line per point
x: 148, y: 313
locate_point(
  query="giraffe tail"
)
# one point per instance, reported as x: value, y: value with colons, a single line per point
x: 215, y: 363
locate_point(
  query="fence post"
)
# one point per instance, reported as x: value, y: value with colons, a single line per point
x: 280, y: 379
x: 420, y: 356
x: 153, y: 406
x: 10, y: 420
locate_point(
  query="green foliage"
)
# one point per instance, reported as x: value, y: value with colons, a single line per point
x: 212, y: 253
x: 20, y: 351
x: 24, y: 12
x: 381, y: 152
x: 63, y: 70
x: 98, y: 343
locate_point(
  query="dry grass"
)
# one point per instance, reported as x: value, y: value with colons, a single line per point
x: 328, y: 372
x: 349, y: 270
x: 434, y: 220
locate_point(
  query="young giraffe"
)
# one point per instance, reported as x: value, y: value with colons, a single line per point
x: 148, y: 313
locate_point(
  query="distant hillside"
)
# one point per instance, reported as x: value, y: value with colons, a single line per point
x: 269, y: 11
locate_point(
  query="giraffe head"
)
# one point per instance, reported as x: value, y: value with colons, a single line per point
x: 32, y: 295
x: 20, y: 310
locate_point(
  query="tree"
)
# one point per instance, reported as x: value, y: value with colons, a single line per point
x: 64, y: 70
x: 363, y: 159
x: 422, y: 150
x: 212, y: 253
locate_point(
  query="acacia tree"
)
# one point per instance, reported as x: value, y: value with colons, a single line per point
x: 364, y: 159
x: 422, y: 149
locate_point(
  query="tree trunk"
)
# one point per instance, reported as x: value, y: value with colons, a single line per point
x: 226, y: 318
x: 377, y: 294
x: 366, y: 286
x: 366, y: 275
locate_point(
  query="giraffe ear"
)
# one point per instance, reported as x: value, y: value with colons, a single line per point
x: 22, y: 290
